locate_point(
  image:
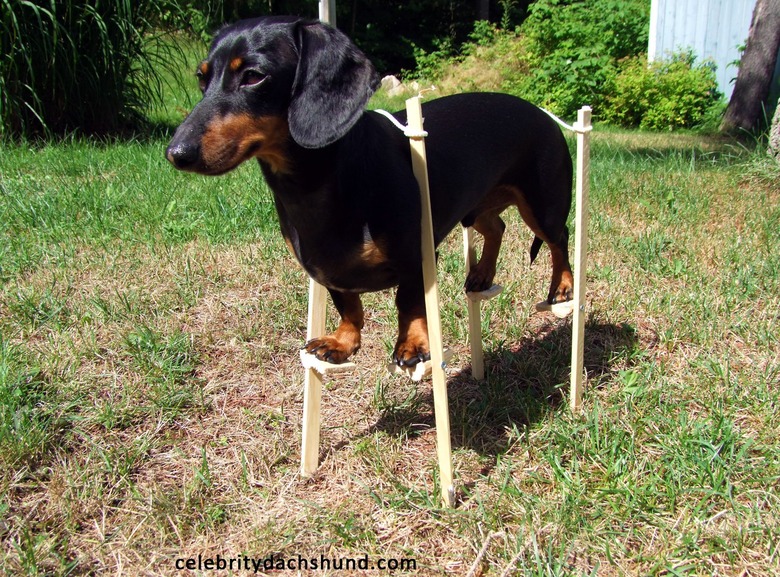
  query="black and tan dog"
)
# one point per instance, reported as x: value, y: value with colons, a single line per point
x: 291, y: 93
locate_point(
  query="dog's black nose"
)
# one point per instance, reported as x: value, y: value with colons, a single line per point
x: 183, y: 155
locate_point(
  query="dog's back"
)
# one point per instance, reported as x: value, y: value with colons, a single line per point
x: 478, y: 142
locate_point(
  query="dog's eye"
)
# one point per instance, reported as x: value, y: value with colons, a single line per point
x: 252, y: 78
x: 202, y: 83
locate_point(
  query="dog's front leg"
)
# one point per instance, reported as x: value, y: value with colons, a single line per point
x: 412, y: 345
x: 338, y: 346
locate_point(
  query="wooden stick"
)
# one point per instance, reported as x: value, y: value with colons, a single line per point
x: 473, y: 300
x: 328, y: 12
x: 473, y: 307
x: 312, y: 386
x: 580, y: 255
x: 440, y: 404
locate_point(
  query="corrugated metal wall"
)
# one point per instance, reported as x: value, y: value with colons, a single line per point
x: 713, y: 29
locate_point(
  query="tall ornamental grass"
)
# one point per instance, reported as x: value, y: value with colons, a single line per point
x: 83, y: 66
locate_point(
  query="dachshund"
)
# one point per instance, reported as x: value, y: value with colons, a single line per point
x: 291, y: 93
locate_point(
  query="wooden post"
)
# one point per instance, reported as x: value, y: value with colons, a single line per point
x: 582, y: 127
x: 328, y: 12
x: 473, y: 307
x: 440, y: 403
x: 312, y: 387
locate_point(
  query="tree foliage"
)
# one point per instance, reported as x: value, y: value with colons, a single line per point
x: 574, y: 47
x: 90, y: 65
x: 391, y: 32
x: 93, y: 65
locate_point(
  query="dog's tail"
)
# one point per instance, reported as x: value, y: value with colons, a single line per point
x: 535, y: 246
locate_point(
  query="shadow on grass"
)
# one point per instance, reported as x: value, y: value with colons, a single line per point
x: 525, y: 383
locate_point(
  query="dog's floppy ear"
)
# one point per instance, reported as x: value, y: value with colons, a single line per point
x: 333, y: 82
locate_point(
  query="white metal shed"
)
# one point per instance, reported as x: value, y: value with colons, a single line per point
x: 713, y: 29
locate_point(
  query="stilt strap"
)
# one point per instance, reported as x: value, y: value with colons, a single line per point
x: 576, y: 127
x: 408, y: 132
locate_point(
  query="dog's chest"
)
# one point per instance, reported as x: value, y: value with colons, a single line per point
x: 341, y: 260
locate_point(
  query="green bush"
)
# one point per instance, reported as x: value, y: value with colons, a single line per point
x: 670, y: 93
x: 573, y: 46
x: 83, y: 66
x: 429, y: 63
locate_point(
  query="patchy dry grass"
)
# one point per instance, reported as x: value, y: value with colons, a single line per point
x: 151, y: 396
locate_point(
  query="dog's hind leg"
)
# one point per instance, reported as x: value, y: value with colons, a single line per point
x: 481, y: 275
x: 341, y: 344
x: 562, y: 282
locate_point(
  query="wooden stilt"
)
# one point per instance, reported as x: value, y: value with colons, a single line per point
x: 473, y: 300
x: 582, y: 127
x: 440, y: 403
x: 328, y: 11
x: 473, y: 307
x: 312, y: 387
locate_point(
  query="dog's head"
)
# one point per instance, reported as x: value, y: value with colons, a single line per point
x: 265, y: 81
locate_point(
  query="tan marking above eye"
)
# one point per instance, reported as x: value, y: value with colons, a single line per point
x: 236, y: 63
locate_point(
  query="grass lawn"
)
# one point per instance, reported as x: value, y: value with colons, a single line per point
x: 151, y: 394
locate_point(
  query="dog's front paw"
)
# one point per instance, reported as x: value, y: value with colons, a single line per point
x: 479, y: 279
x: 410, y: 352
x: 330, y: 349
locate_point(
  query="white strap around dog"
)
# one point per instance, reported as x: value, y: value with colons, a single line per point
x: 408, y: 132
x: 577, y: 127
